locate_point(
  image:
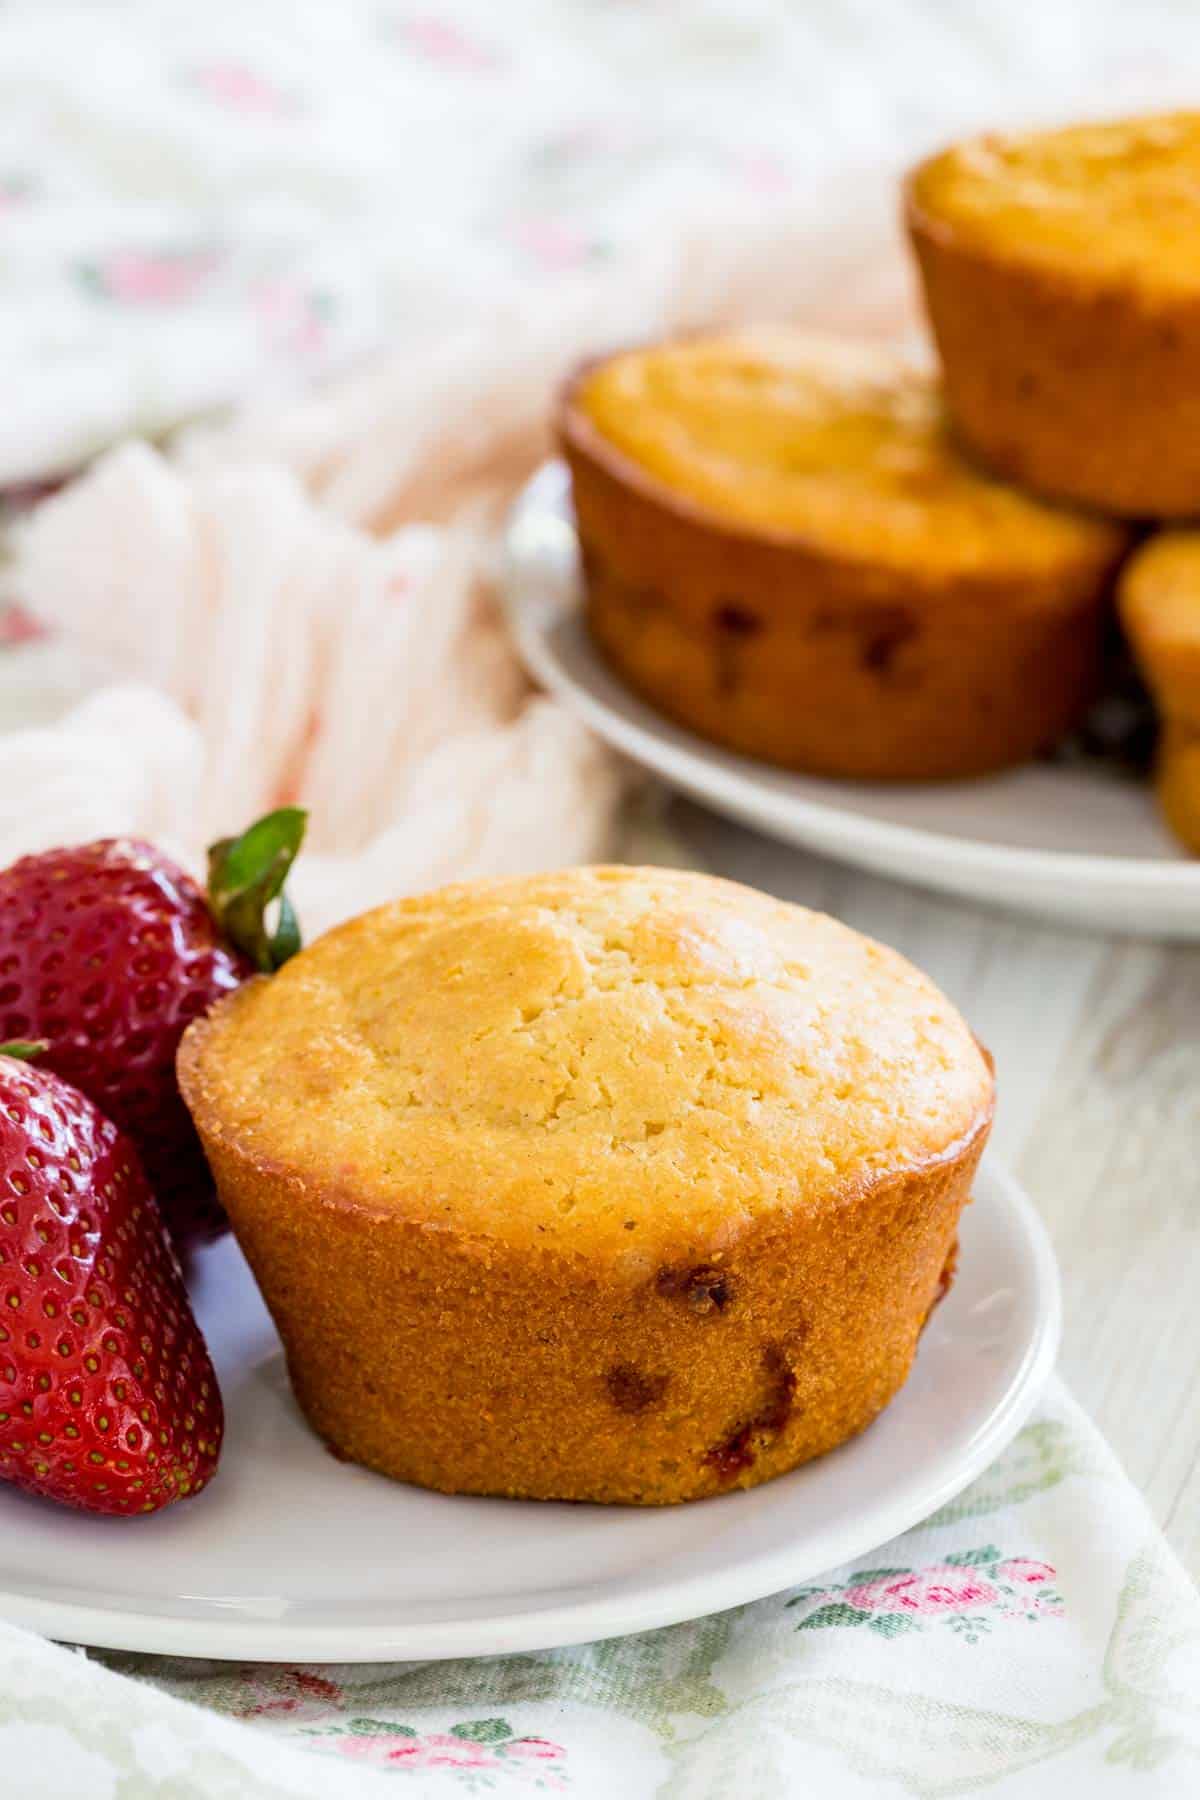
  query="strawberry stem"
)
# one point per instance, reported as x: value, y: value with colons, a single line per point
x: 245, y: 875
x: 24, y: 1049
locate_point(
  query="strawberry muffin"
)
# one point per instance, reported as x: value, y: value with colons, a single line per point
x: 614, y: 1184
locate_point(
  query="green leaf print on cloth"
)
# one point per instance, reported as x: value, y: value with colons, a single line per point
x: 968, y: 1590
x: 1147, y: 1717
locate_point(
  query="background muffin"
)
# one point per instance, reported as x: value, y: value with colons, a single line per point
x: 784, y: 551
x: 1062, y: 277
x: 615, y: 1184
x: 1159, y: 600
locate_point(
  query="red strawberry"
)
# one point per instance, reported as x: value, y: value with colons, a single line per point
x: 109, y: 951
x: 108, y: 1399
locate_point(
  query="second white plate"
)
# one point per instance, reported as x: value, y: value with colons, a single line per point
x: 293, y: 1556
x: 1061, y: 842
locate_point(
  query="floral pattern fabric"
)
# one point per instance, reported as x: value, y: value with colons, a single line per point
x: 970, y: 1590
x: 1032, y: 1639
x: 202, y: 200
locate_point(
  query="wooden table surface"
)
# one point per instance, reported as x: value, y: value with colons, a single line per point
x: 1097, y: 1047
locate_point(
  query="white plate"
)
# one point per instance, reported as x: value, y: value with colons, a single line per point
x: 1069, y: 843
x: 293, y: 1556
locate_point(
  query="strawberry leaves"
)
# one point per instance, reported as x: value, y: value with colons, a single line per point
x: 246, y: 876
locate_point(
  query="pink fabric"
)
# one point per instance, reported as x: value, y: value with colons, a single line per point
x: 263, y: 651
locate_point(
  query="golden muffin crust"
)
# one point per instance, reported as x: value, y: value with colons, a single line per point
x: 1177, y: 782
x: 840, y: 444
x: 783, y: 550
x: 1062, y: 278
x: 1158, y: 598
x: 619, y: 1184
x: 1159, y: 601
x: 636, y: 1056
x: 1119, y: 200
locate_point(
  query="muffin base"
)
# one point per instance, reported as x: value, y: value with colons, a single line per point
x: 776, y: 650
x: 1177, y: 782
x: 1082, y: 392
x: 470, y: 1366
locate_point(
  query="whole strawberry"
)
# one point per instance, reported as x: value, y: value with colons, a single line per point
x: 109, y: 950
x: 108, y: 1399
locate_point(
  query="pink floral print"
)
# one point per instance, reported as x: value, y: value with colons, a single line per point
x: 294, y: 316
x: 150, y: 277
x: 535, y: 1749
x: 241, y: 89
x: 1021, y: 1569
x: 286, y: 1693
x: 442, y: 42
x: 762, y: 172
x: 436, y: 1750
x: 935, y: 1590
x: 17, y: 626
x: 553, y: 244
x: 969, y: 1591
x: 477, y: 1747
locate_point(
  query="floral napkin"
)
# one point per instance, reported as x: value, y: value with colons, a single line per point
x: 1035, y: 1638
x: 198, y: 200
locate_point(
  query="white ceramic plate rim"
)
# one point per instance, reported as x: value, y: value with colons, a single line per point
x: 656, y: 1604
x: 860, y: 837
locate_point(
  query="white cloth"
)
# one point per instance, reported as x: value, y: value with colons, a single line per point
x: 267, y: 653
x: 197, y: 199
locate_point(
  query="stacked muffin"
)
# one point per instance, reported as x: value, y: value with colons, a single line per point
x: 815, y: 554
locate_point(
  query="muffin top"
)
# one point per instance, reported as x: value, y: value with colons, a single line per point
x: 842, y: 445
x: 609, y: 1061
x: 1117, y: 201
x: 1160, y: 590
x: 1159, y: 602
